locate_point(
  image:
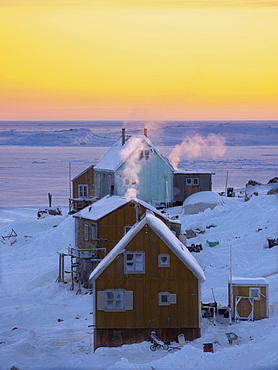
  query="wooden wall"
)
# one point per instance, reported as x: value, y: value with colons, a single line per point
x: 86, y: 178
x: 110, y: 227
x: 146, y: 313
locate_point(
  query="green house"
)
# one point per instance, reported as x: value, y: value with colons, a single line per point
x: 134, y: 168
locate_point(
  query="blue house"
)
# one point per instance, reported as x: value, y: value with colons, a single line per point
x: 134, y: 168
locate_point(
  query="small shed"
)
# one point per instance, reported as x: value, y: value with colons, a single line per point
x: 249, y: 298
x: 186, y: 183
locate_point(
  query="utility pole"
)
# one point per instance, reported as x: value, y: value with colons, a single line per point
x: 69, y: 186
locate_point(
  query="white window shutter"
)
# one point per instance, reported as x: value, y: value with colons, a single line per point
x: 101, y: 300
x: 172, y: 298
x: 129, y: 300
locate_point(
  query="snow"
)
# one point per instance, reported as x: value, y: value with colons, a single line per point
x: 249, y: 281
x: 166, y: 235
x: 110, y: 203
x: 207, y: 197
x: 119, y: 153
x: 32, y: 302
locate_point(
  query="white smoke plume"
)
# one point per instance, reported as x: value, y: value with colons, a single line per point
x: 132, y: 166
x: 194, y: 147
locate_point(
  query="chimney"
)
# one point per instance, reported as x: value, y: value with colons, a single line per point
x: 49, y: 199
x: 123, y: 136
x: 146, y: 132
x: 137, y: 211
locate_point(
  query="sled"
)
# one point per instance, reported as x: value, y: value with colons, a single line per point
x: 213, y: 244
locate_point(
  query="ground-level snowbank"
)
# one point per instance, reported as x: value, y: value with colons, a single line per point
x: 31, y: 337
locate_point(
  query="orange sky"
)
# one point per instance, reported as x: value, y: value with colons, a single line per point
x: 135, y: 59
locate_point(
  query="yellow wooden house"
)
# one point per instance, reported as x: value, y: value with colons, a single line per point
x: 148, y: 281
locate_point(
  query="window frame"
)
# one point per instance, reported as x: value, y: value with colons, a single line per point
x: 171, y: 298
x: 114, y: 304
x: 197, y: 180
x: 188, y: 181
x: 126, y: 261
x: 161, y: 264
x: 144, y: 154
x: 258, y: 289
x: 127, y: 228
x: 147, y: 154
x: 81, y: 190
x: 126, y: 299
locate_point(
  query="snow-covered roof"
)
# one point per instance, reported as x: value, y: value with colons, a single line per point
x: 119, y: 153
x: 249, y: 281
x: 110, y: 203
x: 165, y: 234
x: 190, y: 172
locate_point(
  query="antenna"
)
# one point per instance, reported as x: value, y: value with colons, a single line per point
x: 231, y: 286
x: 226, y: 182
x: 70, y: 185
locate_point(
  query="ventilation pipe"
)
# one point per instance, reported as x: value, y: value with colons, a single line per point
x: 137, y: 211
x: 123, y: 136
x: 49, y: 199
x: 146, y: 132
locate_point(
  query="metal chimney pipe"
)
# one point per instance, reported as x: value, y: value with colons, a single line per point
x: 137, y: 211
x: 123, y: 136
x: 146, y: 132
x: 49, y: 199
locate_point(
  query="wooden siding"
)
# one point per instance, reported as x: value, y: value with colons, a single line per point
x: 244, y: 307
x: 86, y: 178
x: 152, y: 177
x: 181, y: 191
x: 147, y: 313
x: 110, y: 227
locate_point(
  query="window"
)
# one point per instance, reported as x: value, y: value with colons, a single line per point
x: 140, y: 154
x: 163, y: 260
x: 98, y: 180
x: 165, y: 299
x: 144, y: 154
x: 115, y: 300
x: 133, y: 181
x: 126, y: 181
x: 189, y: 181
x: 134, y: 262
x: 255, y: 293
x: 147, y: 154
x: 83, y: 191
x: 196, y: 181
x: 86, y: 232
x: 127, y: 228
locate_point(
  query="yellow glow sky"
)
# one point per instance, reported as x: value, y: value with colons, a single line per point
x: 136, y: 59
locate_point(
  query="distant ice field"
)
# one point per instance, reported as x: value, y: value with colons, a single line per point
x: 34, y: 157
